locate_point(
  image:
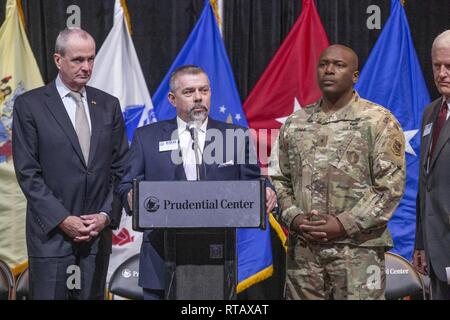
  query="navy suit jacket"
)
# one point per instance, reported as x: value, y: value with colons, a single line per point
x: 52, y: 172
x: 146, y: 162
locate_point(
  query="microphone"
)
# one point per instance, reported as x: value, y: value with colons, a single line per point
x: 192, y: 130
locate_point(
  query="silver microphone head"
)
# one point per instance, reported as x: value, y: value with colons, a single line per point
x: 191, y: 125
x: 192, y: 129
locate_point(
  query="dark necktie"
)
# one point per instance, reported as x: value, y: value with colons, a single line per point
x: 442, y: 117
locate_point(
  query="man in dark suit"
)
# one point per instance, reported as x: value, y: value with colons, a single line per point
x: 190, y: 94
x: 432, y: 248
x: 69, y: 142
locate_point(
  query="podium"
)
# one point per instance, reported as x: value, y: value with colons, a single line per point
x: 199, y: 219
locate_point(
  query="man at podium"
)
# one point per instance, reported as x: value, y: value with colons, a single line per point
x: 176, y: 149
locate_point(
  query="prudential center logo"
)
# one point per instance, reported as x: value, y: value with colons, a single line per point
x: 151, y: 204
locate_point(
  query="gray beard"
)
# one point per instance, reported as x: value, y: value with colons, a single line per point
x: 198, y: 117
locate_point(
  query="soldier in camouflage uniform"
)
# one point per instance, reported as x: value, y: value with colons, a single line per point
x: 339, y: 172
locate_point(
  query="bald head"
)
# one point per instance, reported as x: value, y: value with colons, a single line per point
x: 337, y: 72
x: 348, y: 53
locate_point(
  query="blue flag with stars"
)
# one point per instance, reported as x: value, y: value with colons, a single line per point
x: 393, y: 78
x: 205, y: 48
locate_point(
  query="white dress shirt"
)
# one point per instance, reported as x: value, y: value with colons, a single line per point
x: 187, y: 152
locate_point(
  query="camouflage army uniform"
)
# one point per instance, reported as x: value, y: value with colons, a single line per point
x: 349, y: 164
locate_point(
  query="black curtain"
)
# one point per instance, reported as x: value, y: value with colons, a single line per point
x: 44, y: 20
x: 254, y: 29
x: 159, y: 29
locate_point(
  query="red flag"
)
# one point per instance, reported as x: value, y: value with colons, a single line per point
x: 289, y: 82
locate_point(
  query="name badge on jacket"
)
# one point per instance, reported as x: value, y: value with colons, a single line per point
x: 168, y: 145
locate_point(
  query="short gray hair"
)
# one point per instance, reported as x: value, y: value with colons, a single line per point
x: 181, y: 71
x: 64, y: 35
x: 442, y: 41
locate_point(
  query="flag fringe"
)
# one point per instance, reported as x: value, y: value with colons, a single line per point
x: 18, y: 269
x: 279, y: 231
x: 257, y: 277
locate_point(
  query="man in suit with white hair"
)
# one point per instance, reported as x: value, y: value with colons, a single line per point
x: 432, y: 254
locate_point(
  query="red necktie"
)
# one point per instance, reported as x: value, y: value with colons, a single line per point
x: 442, y: 117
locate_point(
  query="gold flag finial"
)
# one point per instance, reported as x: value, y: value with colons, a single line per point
x: 403, y: 2
x: 20, y: 12
x: 126, y: 14
x: 216, y: 11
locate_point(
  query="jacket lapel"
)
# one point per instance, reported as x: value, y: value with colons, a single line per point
x: 178, y: 169
x: 56, y: 107
x: 212, y: 124
x: 96, y: 122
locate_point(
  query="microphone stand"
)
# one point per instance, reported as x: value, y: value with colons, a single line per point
x: 194, y: 135
x: 197, y: 160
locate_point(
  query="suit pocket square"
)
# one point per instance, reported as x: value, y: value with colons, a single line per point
x: 226, y: 164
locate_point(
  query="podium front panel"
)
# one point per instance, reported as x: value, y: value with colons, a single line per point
x: 199, y: 204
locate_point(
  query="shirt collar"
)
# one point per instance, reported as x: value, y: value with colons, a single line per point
x: 446, y: 101
x: 63, y: 90
x: 348, y: 112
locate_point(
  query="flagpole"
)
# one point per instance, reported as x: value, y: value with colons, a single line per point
x: 220, y: 11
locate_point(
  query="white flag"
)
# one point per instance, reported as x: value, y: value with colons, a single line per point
x: 118, y: 72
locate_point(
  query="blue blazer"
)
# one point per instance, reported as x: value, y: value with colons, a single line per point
x: 146, y: 162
